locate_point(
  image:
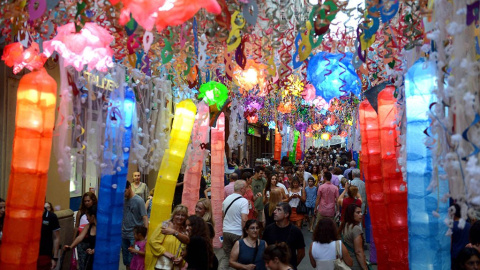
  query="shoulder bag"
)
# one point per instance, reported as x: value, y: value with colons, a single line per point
x: 226, y: 210
x: 301, y: 207
x: 339, y: 264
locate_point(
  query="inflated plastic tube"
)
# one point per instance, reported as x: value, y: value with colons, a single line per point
x: 32, y: 143
x: 278, y: 145
x: 217, y: 175
x: 371, y: 164
x: 394, y: 187
x: 429, y: 247
x: 200, y: 136
x: 118, y: 134
x: 171, y: 164
x: 293, y: 152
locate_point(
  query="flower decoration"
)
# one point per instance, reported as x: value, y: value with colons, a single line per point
x: 252, y: 119
x: 308, y: 93
x: 320, y: 103
x: 329, y: 121
x: 325, y: 136
x: 214, y: 93
x: 17, y: 57
x: 333, y: 75
x: 253, y: 103
x: 293, y: 87
x: 143, y: 11
x: 91, y: 46
x: 301, y: 126
x: 286, y: 107
x: 316, y: 126
x: 176, y: 12
x: 254, y: 74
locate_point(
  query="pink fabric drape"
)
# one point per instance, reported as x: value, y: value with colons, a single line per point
x: 218, y: 170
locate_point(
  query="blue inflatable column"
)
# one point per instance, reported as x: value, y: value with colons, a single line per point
x: 113, y: 181
x: 429, y: 247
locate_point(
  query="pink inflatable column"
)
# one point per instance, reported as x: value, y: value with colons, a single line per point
x: 200, y: 134
x: 394, y: 187
x: 372, y: 171
x: 218, y: 171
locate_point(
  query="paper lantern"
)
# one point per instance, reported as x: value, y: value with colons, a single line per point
x: 254, y: 74
x: 17, y: 57
x: 171, y: 163
x: 293, y: 87
x: 301, y: 126
x: 214, y: 93
x: 278, y: 146
x: 423, y: 227
x: 309, y: 93
x: 372, y: 171
x: 143, y: 11
x: 286, y: 107
x: 118, y: 135
x: 394, y: 188
x: 293, y: 153
x: 253, y: 103
x: 325, y: 136
x: 252, y: 119
x: 333, y: 75
x: 200, y: 136
x: 90, y: 46
x: 32, y: 143
x: 177, y: 12
x: 218, y: 171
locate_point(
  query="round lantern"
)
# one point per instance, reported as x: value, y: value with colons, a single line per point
x: 214, y: 93
x: 252, y: 75
x: 333, y: 75
x: 325, y: 136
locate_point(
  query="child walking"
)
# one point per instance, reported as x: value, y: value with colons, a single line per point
x: 311, y: 191
x: 138, y: 260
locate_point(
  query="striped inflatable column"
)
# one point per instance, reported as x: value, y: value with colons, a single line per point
x: 218, y: 171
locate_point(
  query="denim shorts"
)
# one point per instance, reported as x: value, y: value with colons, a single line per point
x: 126, y: 255
x: 310, y: 211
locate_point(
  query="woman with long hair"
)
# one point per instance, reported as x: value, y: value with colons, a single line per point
x: 168, y: 240
x: 88, y: 236
x: 323, y: 250
x: 353, y: 198
x: 271, y: 185
x: 89, y: 199
x: 296, y: 193
x: 203, y: 209
x: 316, y: 174
x: 199, y: 252
x: 277, y: 257
x: 352, y: 236
x: 276, y: 196
x: 247, y: 252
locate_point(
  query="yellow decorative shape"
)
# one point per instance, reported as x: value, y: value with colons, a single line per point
x: 235, y: 32
x: 305, y: 46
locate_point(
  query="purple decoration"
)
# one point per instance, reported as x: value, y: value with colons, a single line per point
x: 473, y: 11
x: 253, y: 103
x: 301, y: 126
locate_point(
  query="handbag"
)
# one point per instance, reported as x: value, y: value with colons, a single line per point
x: 164, y: 263
x: 302, y: 208
x: 339, y: 264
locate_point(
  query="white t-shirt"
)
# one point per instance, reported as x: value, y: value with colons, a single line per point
x: 325, y: 254
x: 232, y: 223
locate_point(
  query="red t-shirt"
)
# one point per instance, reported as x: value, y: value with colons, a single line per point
x: 347, y: 201
x: 249, y: 196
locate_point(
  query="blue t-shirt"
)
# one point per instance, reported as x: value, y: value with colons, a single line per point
x: 311, y: 196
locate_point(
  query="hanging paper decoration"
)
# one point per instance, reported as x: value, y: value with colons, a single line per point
x: 320, y: 103
x: 253, y: 75
x: 118, y: 134
x: 301, y: 126
x: 171, y: 163
x: 17, y: 57
x: 326, y: 136
x: 278, y: 146
x: 333, y: 75
x: 293, y: 153
x: 214, y: 93
x: 218, y: 171
x: 394, y: 187
x: 236, y: 137
x: 372, y: 172
x: 91, y: 46
x: 309, y: 93
x: 193, y: 174
x: 298, y: 150
x: 32, y: 143
x: 143, y: 12
x: 426, y: 209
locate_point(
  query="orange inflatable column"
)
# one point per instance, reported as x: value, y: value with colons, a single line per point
x: 394, y: 187
x: 372, y: 170
x: 35, y: 119
x: 299, y: 149
x: 218, y: 171
x: 278, y: 146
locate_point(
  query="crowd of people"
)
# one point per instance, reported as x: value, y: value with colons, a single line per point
x: 263, y: 214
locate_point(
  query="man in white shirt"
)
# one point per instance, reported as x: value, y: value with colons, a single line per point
x: 306, y: 175
x: 235, y: 214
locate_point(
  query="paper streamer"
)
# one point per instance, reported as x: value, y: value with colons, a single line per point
x: 34, y: 122
x: 371, y: 164
x: 217, y: 175
x: 171, y: 164
x: 394, y: 187
x: 118, y: 134
x: 424, y: 229
x: 200, y: 136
